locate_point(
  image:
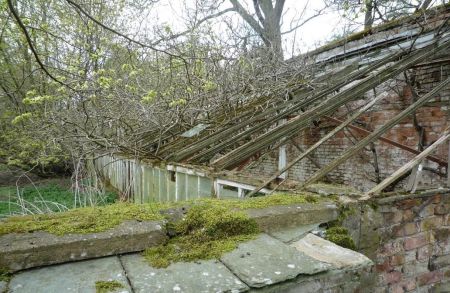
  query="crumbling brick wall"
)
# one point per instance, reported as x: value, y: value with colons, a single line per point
x: 408, y: 238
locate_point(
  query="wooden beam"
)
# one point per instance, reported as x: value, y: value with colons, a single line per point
x: 319, y: 143
x: 292, y: 127
x: 405, y: 168
x: 295, y: 105
x: 391, y: 142
x: 377, y: 133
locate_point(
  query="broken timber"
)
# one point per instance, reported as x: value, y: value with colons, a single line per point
x: 319, y: 143
x: 391, y: 142
x: 405, y: 168
x: 328, y: 106
x: 376, y: 134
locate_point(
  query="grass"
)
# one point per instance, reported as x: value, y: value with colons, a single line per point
x: 51, y: 196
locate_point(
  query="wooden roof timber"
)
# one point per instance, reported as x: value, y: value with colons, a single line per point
x: 377, y: 133
x: 318, y: 144
x: 304, y: 101
x: 192, y: 149
x: 441, y: 162
x: 330, y: 105
x: 407, y: 167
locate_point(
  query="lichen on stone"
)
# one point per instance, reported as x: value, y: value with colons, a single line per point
x: 107, y: 286
x: 208, y: 231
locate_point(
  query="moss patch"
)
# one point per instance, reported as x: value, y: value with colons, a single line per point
x: 5, y: 275
x: 107, y: 286
x: 340, y: 236
x: 82, y: 220
x: 98, y: 219
x: 208, y: 231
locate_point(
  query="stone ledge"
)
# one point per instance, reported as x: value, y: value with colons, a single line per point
x: 278, y: 218
x: 27, y: 250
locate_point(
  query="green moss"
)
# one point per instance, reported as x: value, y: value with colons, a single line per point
x: 107, y: 286
x: 5, y: 275
x: 97, y: 219
x: 82, y: 220
x: 263, y: 201
x: 207, y: 232
x: 341, y: 237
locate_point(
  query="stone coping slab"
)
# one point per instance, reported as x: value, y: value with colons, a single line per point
x: 193, y: 277
x: 265, y: 264
x: 294, y: 234
x: 266, y: 261
x: 20, y: 251
x: 328, y: 252
x: 278, y: 218
x: 72, y: 277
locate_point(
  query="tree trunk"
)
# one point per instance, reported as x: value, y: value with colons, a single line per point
x: 368, y: 17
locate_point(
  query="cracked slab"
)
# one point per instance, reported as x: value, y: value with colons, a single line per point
x: 266, y: 260
x: 71, y: 277
x: 193, y: 277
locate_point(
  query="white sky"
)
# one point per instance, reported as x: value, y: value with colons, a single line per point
x: 314, y: 33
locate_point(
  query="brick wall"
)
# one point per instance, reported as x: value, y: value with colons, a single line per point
x: 408, y: 238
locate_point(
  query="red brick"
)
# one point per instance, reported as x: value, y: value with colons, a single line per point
x: 442, y: 209
x: 429, y: 278
x: 397, y: 260
x: 392, y: 248
x: 385, y: 266
x: 408, y: 204
x: 396, y: 288
x: 431, y: 223
x: 392, y: 277
x: 416, y: 241
x: 408, y: 215
x: 423, y: 253
x: 408, y: 285
x: 436, y: 199
x: 393, y: 217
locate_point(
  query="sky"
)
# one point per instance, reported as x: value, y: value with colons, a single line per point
x: 316, y: 32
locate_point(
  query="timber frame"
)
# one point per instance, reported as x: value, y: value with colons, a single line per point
x: 231, y: 144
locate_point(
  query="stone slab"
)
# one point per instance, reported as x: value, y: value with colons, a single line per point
x: 28, y: 250
x: 266, y: 260
x: 71, y: 277
x: 3, y: 286
x: 293, y: 234
x: 278, y: 218
x: 203, y: 276
x: 328, y: 252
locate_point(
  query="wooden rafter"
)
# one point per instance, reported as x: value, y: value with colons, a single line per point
x: 329, y: 106
x: 376, y: 134
x: 407, y: 167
